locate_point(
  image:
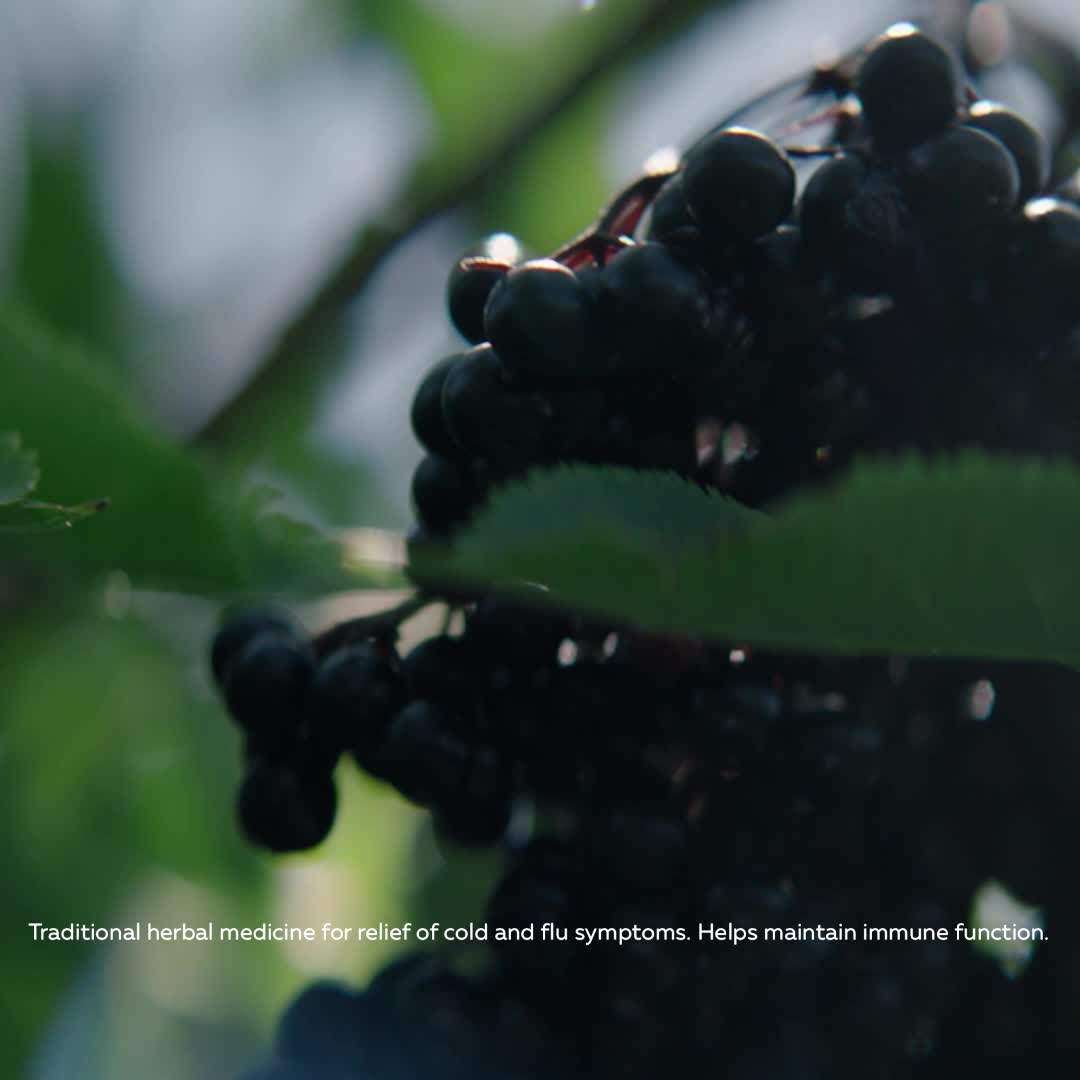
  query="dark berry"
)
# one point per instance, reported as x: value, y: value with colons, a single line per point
x: 440, y: 667
x: 669, y: 213
x: 908, y: 87
x: 355, y: 695
x: 444, y: 493
x: 473, y: 277
x: 480, y: 813
x: 780, y: 295
x: 1052, y: 231
x: 1027, y: 146
x: 1044, y: 263
x: 960, y: 180
x: 878, y: 248
x: 322, y: 1030
x: 283, y: 807
x: 486, y: 416
x: 266, y: 687
x: 656, y: 305
x: 428, y: 423
x: 540, y: 321
x: 425, y: 754
x: 239, y: 630
x: 823, y: 206
x: 738, y: 185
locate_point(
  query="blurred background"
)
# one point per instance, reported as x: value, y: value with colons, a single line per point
x: 230, y: 224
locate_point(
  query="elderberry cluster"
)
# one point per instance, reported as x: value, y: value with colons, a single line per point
x: 748, y: 318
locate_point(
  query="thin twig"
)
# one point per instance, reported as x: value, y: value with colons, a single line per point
x: 381, y: 624
x: 420, y: 202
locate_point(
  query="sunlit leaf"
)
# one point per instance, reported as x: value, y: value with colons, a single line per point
x: 969, y: 557
x: 173, y: 521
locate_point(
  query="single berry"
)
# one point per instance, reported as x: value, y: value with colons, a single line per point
x: 738, y: 185
x: 283, y: 807
x: 1044, y: 268
x: 427, y: 419
x: 425, y: 754
x: 266, y: 687
x: 444, y: 493
x: 473, y: 277
x: 239, y: 630
x: 656, y: 305
x: 319, y: 1029
x: 823, y: 206
x: 486, y: 416
x: 669, y: 214
x: 960, y: 180
x: 781, y: 298
x: 1027, y: 146
x: 540, y: 320
x: 440, y: 667
x: 878, y: 248
x: 480, y: 813
x: 355, y: 695
x: 908, y: 87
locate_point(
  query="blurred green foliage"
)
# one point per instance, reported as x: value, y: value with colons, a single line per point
x: 116, y: 765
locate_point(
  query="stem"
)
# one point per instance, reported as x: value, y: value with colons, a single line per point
x: 382, y: 624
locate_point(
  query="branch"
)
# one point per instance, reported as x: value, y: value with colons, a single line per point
x: 425, y: 199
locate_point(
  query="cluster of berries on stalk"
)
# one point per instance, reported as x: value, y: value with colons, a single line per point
x: 749, y: 318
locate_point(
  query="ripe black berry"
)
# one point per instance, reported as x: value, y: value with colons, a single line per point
x: 266, y: 686
x: 1026, y: 145
x: 473, y: 277
x: 478, y: 815
x: 286, y: 807
x: 440, y: 667
x: 657, y: 307
x: 486, y: 416
x: 669, y: 213
x: 238, y: 631
x: 908, y: 88
x: 427, y: 419
x: 738, y: 185
x: 823, y: 206
x: 540, y: 321
x: 642, y: 781
x: 960, y: 180
x: 425, y: 754
x: 1044, y: 263
x: 321, y: 1029
x: 444, y: 493
x: 355, y: 695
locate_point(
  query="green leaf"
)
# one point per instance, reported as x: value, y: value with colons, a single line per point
x: 173, y: 520
x: 19, y: 471
x: 975, y: 556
